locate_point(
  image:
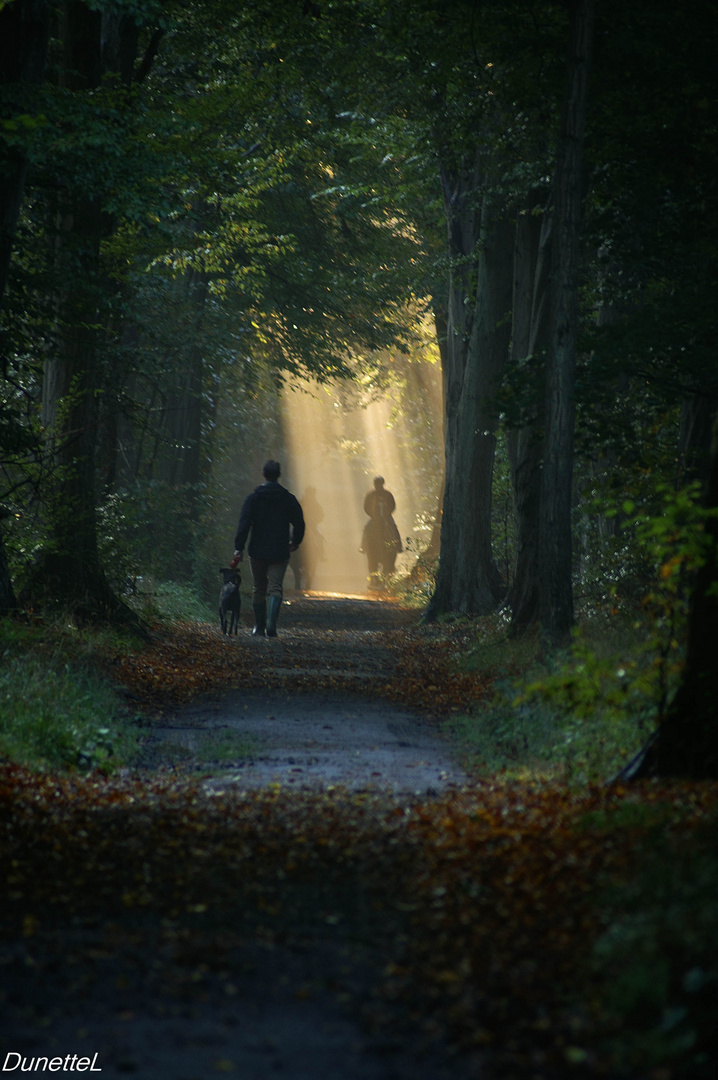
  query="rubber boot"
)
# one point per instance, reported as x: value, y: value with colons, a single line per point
x: 273, y: 605
x: 260, y: 618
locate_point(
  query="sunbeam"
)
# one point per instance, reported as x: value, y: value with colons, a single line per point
x: 336, y: 446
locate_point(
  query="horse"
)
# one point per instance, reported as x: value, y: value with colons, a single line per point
x: 381, y: 544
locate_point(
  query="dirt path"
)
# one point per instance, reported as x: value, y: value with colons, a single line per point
x: 298, y: 1008
x: 309, y: 742
x: 298, y: 881
x: 284, y: 733
x: 278, y: 985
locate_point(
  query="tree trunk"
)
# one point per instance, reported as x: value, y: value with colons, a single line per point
x: 530, y: 332
x: 555, y: 546
x: 184, y: 400
x: 24, y: 36
x: 480, y: 243
x: 8, y: 601
x: 433, y: 550
x: 72, y: 568
x: 698, y: 413
x: 70, y: 572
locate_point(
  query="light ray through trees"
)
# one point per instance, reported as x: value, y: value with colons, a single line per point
x: 337, y: 445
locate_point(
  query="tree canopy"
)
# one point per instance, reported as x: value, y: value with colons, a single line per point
x: 202, y: 202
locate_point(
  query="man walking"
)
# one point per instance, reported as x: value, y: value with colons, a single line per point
x: 276, y: 522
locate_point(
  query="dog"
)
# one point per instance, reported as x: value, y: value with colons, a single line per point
x: 230, y: 601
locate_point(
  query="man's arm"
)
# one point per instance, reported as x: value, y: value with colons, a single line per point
x: 245, y: 524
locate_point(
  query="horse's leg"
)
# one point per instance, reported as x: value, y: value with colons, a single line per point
x: 372, y: 558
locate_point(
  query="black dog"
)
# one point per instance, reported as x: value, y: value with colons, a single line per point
x: 229, y: 600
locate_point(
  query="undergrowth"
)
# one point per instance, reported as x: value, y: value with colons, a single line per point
x: 56, y: 709
x: 59, y: 718
x: 168, y: 600
x: 56, y: 712
x: 577, y: 715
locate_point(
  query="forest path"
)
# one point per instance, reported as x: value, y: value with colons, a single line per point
x: 314, y: 708
x: 296, y: 879
x: 229, y: 904
x: 213, y: 911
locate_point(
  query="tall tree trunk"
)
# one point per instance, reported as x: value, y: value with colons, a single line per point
x: 184, y: 401
x: 441, y: 324
x: 480, y: 243
x: 24, y: 36
x: 70, y: 396
x: 71, y: 572
x: 70, y: 385
x: 698, y: 413
x: 421, y: 392
x: 529, y: 337
x: 8, y: 601
x: 555, y: 547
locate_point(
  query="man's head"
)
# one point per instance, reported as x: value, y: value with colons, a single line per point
x: 378, y: 482
x: 271, y: 470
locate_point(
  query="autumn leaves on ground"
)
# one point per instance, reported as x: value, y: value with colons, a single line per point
x: 459, y: 932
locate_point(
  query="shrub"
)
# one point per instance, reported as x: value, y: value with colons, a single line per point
x: 576, y: 716
x: 58, y: 716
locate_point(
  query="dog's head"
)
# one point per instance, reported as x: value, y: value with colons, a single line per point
x: 229, y: 576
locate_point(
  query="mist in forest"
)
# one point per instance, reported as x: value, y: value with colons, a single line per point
x: 335, y: 448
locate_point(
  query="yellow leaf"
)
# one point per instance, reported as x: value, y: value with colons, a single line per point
x: 29, y: 925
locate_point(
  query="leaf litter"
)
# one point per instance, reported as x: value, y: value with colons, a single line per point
x: 377, y: 933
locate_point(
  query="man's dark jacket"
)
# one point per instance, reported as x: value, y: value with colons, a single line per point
x: 269, y: 512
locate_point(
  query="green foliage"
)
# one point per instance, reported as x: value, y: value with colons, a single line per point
x: 583, y: 712
x: 677, y: 543
x: 58, y: 715
x: 576, y: 716
x: 675, y: 539
x: 171, y: 600
x: 414, y: 589
x: 625, y: 473
x: 149, y: 529
x: 210, y: 747
x: 671, y: 543
x: 498, y: 737
x: 603, y: 700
